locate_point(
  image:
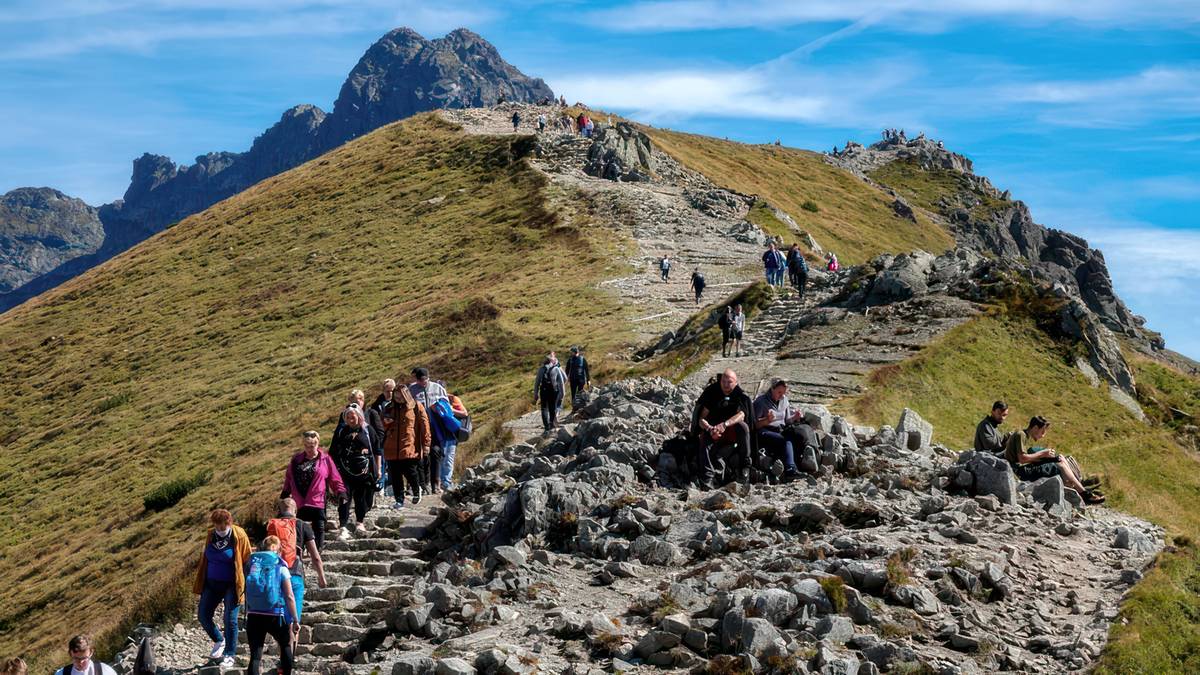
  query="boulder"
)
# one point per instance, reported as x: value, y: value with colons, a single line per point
x: 1048, y: 492
x: 913, y: 431
x: 992, y: 475
x: 1133, y: 540
x: 834, y: 628
x: 761, y: 640
x: 454, y: 666
x: 773, y: 604
x: 414, y: 664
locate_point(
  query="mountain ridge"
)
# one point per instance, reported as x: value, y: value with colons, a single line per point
x: 401, y: 74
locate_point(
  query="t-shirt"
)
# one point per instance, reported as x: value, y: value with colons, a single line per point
x: 1015, y: 447
x: 304, y: 534
x: 219, y: 556
x: 306, y: 473
x: 720, y: 406
x: 782, y: 408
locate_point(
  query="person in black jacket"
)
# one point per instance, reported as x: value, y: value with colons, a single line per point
x: 378, y: 416
x: 354, y: 456
x: 579, y: 374
x: 721, y: 419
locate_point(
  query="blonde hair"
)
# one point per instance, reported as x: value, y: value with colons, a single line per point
x: 389, y: 383
x: 356, y: 394
x: 286, y: 505
x: 312, y: 434
x: 271, y: 542
x: 13, y: 666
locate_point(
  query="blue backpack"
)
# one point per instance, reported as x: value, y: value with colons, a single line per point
x: 443, y: 421
x: 263, y: 595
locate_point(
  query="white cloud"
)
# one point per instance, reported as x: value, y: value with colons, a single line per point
x: 923, y: 16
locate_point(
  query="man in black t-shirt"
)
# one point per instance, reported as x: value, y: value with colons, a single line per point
x: 722, y: 419
x: 306, y: 541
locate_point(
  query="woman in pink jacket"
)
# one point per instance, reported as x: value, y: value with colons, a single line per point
x: 309, y: 475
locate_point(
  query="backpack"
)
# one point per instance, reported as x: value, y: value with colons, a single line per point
x: 802, y: 264
x: 698, y: 280
x: 263, y: 595
x: 285, y: 529
x: 550, y: 387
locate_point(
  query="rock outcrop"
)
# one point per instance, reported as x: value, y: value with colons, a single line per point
x: 400, y: 75
x: 40, y: 229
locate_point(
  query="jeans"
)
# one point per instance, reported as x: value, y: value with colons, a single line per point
x: 449, y: 448
x: 316, y: 517
x: 258, y: 627
x: 778, y: 446
x: 549, y: 414
x: 213, y: 593
x: 298, y: 592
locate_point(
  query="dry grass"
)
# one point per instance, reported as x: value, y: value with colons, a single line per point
x: 212, y: 345
x: 852, y: 218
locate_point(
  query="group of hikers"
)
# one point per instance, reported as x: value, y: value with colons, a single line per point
x: 582, y: 125
x: 1027, y: 459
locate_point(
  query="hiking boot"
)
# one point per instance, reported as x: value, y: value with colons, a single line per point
x: 706, y: 484
x: 217, y: 650
x: 790, y: 475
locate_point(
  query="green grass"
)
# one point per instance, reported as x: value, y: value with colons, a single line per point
x: 173, y: 491
x: 926, y: 187
x: 1147, y: 472
x: 209, y: 347
x: 844, y: 214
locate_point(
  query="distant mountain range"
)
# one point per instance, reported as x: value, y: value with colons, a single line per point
x: 47, y: 237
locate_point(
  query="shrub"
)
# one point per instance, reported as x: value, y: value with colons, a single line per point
x: 114, y: 401
x: 835, y: 590
x: 810, y: 206
x: 171, y: 492
x: 897, y: 565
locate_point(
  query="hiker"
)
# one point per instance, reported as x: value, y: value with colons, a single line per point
x: 562, y: 100
x: 353, y: 456
x: 697, y: 284
x: 14, y: 666
x: 500, y: 99
x: 516, y: 121
x: 1046, y: 462
x: 220, y: 579
x: 737, y: 328
x: 772, y: 412
x: 581, y: 123
x: 797, y: 269
x: 82, y: 663
x: 579, y: 373
x: 270, y: 606
x: 541, y: 121
x: 295, y: 538
x: 725, y: 323
x: 376, y: 414
x: 589, y: 127
x: 831, y: 262
x: 987, y: 435
x: 428, y: 393
x: 464, y: 424
x: 773, y: 264
x: 310, y: 473
x: 721, y: 421
x: 408, y: 440
x: 548, y: 386
x: 664, y: 266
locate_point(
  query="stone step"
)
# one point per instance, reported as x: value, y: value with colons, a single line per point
x: 366, y: 555
x: 358, y: 619
x: 395, y: 568
x: 365, y: 544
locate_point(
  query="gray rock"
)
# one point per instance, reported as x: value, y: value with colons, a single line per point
x: 834, y: 628
x: 414, y: 664
x: 773, y: 604
x: 761, y: 639
x: 918, y: 432
x: 992, y: 475
x: 506, y: 556
x: 654, y: 551
x: 1048, y: 492
x: 1133, y: 540
x: 679, y: 624
x: 811, y: 515
x: 655, y: 641
x: 454, y: 666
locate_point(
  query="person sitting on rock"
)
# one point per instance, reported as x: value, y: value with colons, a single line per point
x: 987, y: 435
x: 1044, y: 462
x: 722, y: 417
x: 772, y: 412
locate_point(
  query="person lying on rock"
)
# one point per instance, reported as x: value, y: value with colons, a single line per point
x: 773, y: 416
x: 987, y: 435
x: 722, y: 419
x: 1045, y: 462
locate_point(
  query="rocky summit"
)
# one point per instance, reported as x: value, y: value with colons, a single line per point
x: 40, y: 229
x: 588, y: 550
x: 400, y: 75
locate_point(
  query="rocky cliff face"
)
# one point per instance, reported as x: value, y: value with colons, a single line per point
x: 40, y: 229
x: 990, y: 221
x: 400, y: 75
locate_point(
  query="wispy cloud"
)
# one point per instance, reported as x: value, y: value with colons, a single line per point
x: 923, y: 16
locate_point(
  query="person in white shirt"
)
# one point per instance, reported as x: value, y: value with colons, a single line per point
x: 82, y: 663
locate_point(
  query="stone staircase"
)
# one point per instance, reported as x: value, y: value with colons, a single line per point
x: 767, y: 331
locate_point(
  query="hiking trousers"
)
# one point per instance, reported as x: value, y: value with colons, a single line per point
x: 316, y: 517
x: 711, y: 462
x: 778, y: 445
x: 405, y: 471
x: 362, y: 494
x: 258, y: 627
x: 549, y: 414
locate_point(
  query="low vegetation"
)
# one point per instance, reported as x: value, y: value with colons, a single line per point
x: 842, y: 212
x: 928, y: 188
x: 1146, y: 471
x: 209, y: 347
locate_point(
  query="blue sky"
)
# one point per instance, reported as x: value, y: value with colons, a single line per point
x: 1090, y: 112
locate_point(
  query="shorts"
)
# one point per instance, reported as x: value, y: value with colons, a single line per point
x: 1037, y: 471
x: 735, y: 335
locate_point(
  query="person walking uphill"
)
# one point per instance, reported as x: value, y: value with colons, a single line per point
x: 664, y: 267
x: 725, y: 323
x: 429, y: 393
x: 516, y: 121
x: 310, y: 473
x: 270, y: 606
x: 579, y: 373
x: 773, y: 265
x: 408, y: 441
x: 797, y: 269
x: 352, y: 454
x: 697, y: 284
x: 548, y: 388
x: 220, y: 578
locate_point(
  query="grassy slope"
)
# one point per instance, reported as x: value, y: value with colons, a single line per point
x: 952, y: 383
x: 853, y: 219
x: 925, y: 187
x: 277, y: 302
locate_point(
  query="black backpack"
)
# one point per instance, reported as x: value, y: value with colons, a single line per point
x: 550, y: 387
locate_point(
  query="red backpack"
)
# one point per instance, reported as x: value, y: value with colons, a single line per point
x: 285, y: 529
